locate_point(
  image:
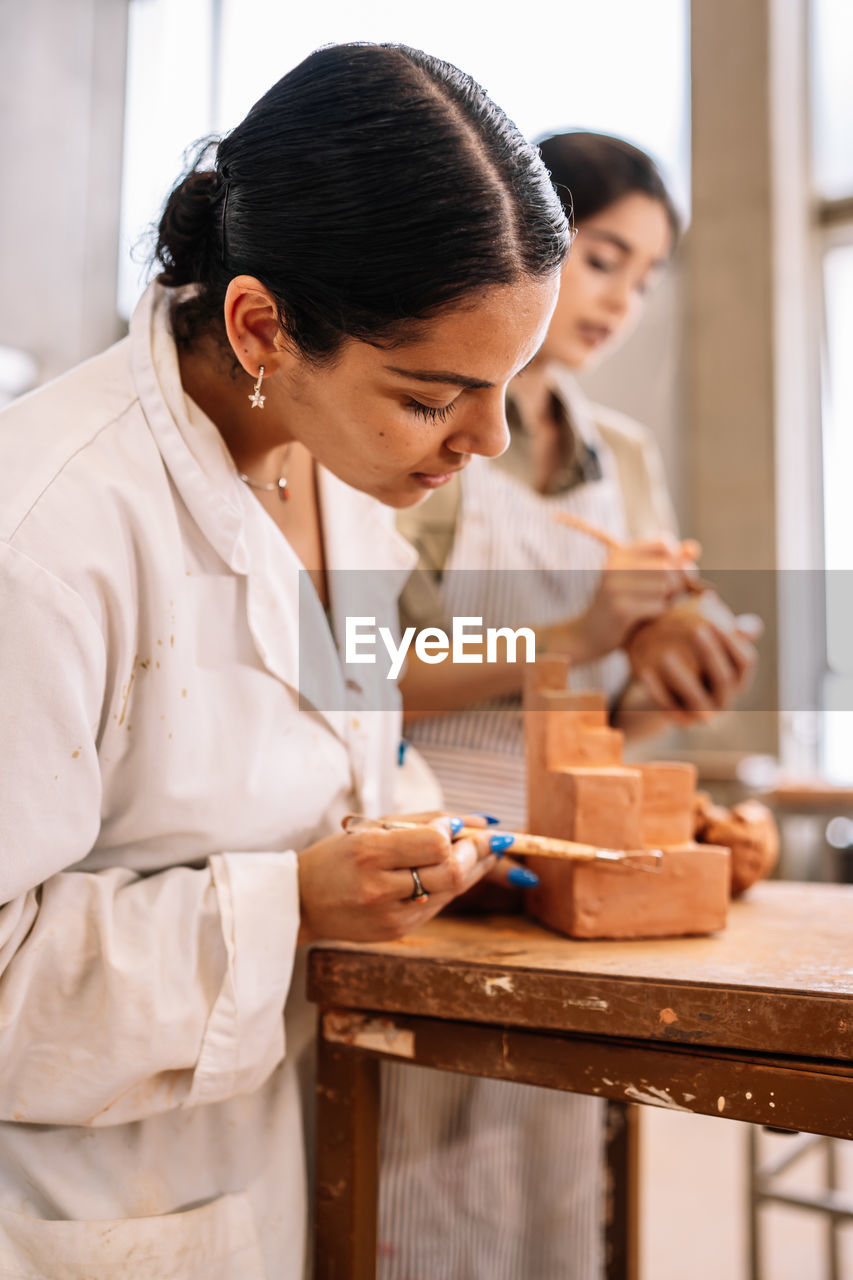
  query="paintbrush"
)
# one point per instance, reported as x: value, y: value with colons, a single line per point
x: 522, y: 843
x: 692, y: 582
x: 583, y: 526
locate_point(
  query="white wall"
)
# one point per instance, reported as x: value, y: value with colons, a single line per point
x: 61, y: 98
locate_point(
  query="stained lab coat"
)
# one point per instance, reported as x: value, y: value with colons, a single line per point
x: 158, y: 778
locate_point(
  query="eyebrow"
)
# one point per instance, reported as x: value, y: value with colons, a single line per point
x: 441, y: 375
x: 454, y: 379
x: 621, y: 244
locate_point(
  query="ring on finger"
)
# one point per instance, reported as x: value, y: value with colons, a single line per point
x: 419, y: 893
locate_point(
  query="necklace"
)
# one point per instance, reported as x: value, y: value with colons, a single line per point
x: 277, y: 486
x: 280, y: 484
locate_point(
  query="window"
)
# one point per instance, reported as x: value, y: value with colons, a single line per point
x: 832, y: 97
x: 169, y: 103
x: 831, y: 41
x: 195, y: 67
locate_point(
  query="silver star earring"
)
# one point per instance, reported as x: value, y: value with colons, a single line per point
x: 256, y: 398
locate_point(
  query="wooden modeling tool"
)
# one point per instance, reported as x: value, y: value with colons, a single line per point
x: 540, y: 846
x: 583, y: 526
x: 692, y: 584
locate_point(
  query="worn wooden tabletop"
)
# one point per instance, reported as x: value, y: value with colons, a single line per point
x: 778, y: 979
x: 754, y: 1024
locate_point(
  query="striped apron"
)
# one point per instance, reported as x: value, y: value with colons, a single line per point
x: 481, y: 1179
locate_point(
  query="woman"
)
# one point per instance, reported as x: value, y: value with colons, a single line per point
x: 374, y: 233
x: 566, y: 455
x: 508, y: 1179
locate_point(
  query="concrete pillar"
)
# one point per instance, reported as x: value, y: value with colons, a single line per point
x: 749, y: 403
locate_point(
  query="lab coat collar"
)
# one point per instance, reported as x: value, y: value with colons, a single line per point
x: 369, y: 562
x: 358, y: 532
x: 577, y: 405
x: 196, y: 457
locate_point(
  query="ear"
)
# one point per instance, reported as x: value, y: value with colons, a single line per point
x: 252, y: 325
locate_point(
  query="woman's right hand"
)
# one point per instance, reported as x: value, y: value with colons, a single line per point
x: 637, y: 583
x: 358, y: 886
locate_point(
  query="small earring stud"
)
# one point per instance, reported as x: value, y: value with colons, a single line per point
x: 256, y: 398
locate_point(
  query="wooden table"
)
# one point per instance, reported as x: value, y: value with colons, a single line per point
x: 755, y: 1024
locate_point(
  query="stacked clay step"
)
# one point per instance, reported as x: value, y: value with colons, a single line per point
x: 580, y: 789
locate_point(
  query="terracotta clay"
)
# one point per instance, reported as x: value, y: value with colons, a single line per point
x: 592, y: 806
x: 688, y: 895
x: 558, y: 738
x: 674, y: 631
x: 579, y: 790
x: 668, y: 803
x: 550, y: 671
x: 749, y: 830
x: 589, y: 709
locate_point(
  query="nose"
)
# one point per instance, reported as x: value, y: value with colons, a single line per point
x: 619, y: 296
x: 484, y: 429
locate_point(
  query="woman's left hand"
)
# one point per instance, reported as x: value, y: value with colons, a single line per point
x: 720, y: 668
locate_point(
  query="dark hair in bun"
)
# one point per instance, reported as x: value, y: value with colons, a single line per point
x: 187, y: 237
x: 372, y: 185
x: 591, y: 171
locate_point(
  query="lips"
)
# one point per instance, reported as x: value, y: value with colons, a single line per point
x: 435, y: 479
x: 594, y: 334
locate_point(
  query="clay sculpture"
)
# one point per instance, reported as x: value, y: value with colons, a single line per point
x: 580, y: 789
x: 673, y: 631
x: 749, y: 830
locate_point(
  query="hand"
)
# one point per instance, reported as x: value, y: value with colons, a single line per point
x: 638, y: 582
x: 357, y: 886
x: 703, y: 674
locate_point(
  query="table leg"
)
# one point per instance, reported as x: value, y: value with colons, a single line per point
x: 754, y: 1201
x: 621, y: 1218
x: 833, y: 1224
x: 347, y: 1163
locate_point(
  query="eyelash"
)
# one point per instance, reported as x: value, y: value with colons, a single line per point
x: 428, y: 412
x: 642, y: 288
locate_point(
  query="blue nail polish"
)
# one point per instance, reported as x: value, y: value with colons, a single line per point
x: 521, y: 878
x: 493, y: 822
x: 456, y: 825
x: 500, y: 842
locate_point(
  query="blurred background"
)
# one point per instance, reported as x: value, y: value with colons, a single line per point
x: 743, y: 367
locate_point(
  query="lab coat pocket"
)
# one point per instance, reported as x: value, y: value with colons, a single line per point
x: 217, y: 1241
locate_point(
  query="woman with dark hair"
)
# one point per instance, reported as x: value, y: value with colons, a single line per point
x: 509, y: 1179
x: 566, y: 455
x: 374, y: 239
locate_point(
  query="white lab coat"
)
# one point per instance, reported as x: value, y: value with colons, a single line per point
x: 158, y: 776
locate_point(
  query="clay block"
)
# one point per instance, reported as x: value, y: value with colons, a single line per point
x: 689, y: 895
x: 564, y: 739
x: 550, y: 671
x: 572, y: 746
x: 592, y: 806
x: 669, y: 794
x: 589, y: 707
